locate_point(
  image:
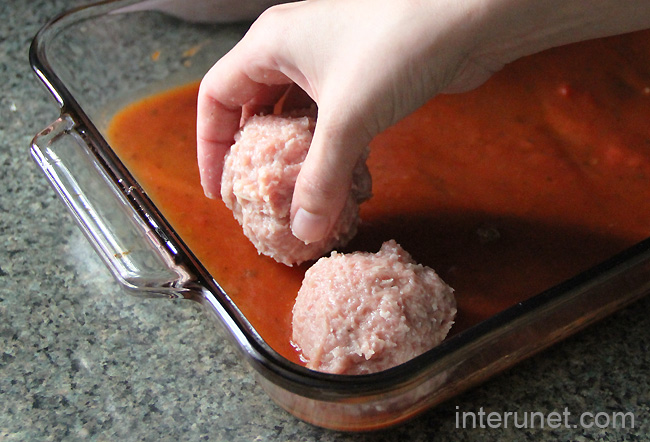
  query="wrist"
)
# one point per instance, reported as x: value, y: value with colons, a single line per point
x: 512, y: 29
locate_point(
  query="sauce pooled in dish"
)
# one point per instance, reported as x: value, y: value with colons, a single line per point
x: 505, y: 191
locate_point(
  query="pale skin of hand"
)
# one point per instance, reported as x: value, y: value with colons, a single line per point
x: 369, y: 63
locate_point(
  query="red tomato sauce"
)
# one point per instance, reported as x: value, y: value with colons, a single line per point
x: 505, y: 191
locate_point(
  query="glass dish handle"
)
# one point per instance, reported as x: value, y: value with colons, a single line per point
x: 131, y: 248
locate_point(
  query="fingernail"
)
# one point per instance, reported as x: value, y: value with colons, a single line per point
x: 210, y: 189
x: 309, y: 227
x: 207, y: 191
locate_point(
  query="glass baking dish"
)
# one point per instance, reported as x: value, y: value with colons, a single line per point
x: 97, y: 58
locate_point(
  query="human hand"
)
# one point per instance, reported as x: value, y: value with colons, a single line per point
x: 369, y: 63
x: 366, y: 63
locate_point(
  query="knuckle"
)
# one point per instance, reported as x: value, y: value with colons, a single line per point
x: 272, y: 18
x: 320, y: 191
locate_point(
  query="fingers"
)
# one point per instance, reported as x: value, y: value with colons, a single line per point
x: 216, y: 127
x: 252, y: 77
x: 325, y: 178
x: 228, y: 93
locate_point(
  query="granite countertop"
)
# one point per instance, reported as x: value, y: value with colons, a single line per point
x: 80, y: 360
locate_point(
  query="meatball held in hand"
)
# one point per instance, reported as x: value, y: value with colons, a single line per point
x: 258, y: 180
x: 361, y: 313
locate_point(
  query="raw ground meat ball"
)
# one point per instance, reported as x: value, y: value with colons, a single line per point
x: 363, y: 312
x: 257, y: 184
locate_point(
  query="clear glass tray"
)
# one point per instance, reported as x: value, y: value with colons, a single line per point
x: 97, y: 58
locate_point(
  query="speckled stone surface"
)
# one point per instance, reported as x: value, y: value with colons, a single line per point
x: 79, y: 360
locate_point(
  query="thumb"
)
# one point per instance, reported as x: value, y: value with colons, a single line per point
x: 325, y: 179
